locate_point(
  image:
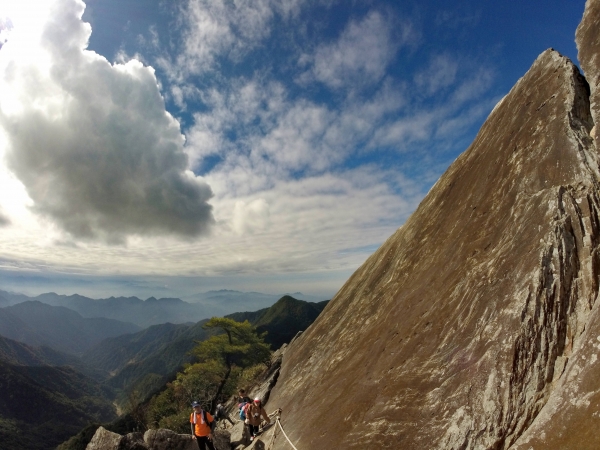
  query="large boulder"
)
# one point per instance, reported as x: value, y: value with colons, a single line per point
x: 222, y: 439
x: 161, y: 439
x: 104, y: 440
x: 133, y: 441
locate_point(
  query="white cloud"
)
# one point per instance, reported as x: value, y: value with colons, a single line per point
x: 473, y: 86
x: 454, y: 19
x: 250, y: 217
x: 92, y: 142
x: 361, y: 54
x: 216, y: 29
x: 440, y: 74
x: 447, y: 117
x: 298, y: 142
x: 277, y: 137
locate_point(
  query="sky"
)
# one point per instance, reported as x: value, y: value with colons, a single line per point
x: 168, y: 147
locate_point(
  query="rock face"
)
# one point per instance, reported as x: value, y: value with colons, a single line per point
x: 476, y: 325
x: 588, y: 44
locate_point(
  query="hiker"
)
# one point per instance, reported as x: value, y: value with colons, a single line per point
x: 221, y: 414
x: 242, y: 401
x: 202, y: 424
x: 242, y: 398
x: 253, y: 412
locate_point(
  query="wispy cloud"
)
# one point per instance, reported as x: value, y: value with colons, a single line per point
x: 440, y: 74
x: 362, y: 52
x: 454, y: 19
x: 213, y: 31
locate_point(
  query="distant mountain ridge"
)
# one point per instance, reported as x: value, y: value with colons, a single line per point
x: 39, y: 324
x: 153, y: 311
x: 145, y: 360
x: 19, y: 354
x: 283, y: 320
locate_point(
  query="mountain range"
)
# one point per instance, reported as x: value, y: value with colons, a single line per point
x: 147, y: 358
x: 107, y: 370
x: 20, y: 354
x: 40, y: 324
x: 152, y: 311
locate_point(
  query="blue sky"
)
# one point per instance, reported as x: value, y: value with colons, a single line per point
x: 171, y: 147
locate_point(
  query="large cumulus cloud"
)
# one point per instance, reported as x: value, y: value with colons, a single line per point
x: 91, y: 141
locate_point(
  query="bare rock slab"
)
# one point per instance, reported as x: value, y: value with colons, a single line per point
x: 239, y: 435
x: 477, y: 318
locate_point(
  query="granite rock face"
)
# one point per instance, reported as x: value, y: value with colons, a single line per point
x: 478, y: 318
x: 571, y: 417
x: 588, y: 44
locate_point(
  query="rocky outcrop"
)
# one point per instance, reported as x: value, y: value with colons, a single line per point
x: 477, y: 322
x: 263, y: 389
x: 104, y: 440
x: 239, y: 436
x: 569, y: 419
x: 588, y: 44
x: 151, y: 440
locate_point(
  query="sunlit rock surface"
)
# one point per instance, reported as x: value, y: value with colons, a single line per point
x: 571, y: 418
x: 588, y: 44
x: 478, y: 318
x: 152, y: 440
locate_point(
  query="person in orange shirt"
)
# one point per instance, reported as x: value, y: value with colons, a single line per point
x: 201, y: 422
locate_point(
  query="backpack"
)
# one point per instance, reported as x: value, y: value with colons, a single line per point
x: 243, y: 410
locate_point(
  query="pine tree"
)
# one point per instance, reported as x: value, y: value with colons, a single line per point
x: 238, y: 346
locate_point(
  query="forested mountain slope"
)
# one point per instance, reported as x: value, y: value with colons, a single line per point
x: 40, y: 407
x: 39, y: 324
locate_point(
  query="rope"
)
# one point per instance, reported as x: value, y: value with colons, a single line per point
x: 277, y: 413
x: 288, y: 439
x: 273, y: 437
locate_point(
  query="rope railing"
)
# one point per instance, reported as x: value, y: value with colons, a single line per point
x: 286, y: 436
x: 278, y: 422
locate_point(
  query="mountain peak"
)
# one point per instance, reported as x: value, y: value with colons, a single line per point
x: 458, y: 329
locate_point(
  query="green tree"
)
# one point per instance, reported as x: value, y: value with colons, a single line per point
x: 235, y: 351
x: 238, y: 346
